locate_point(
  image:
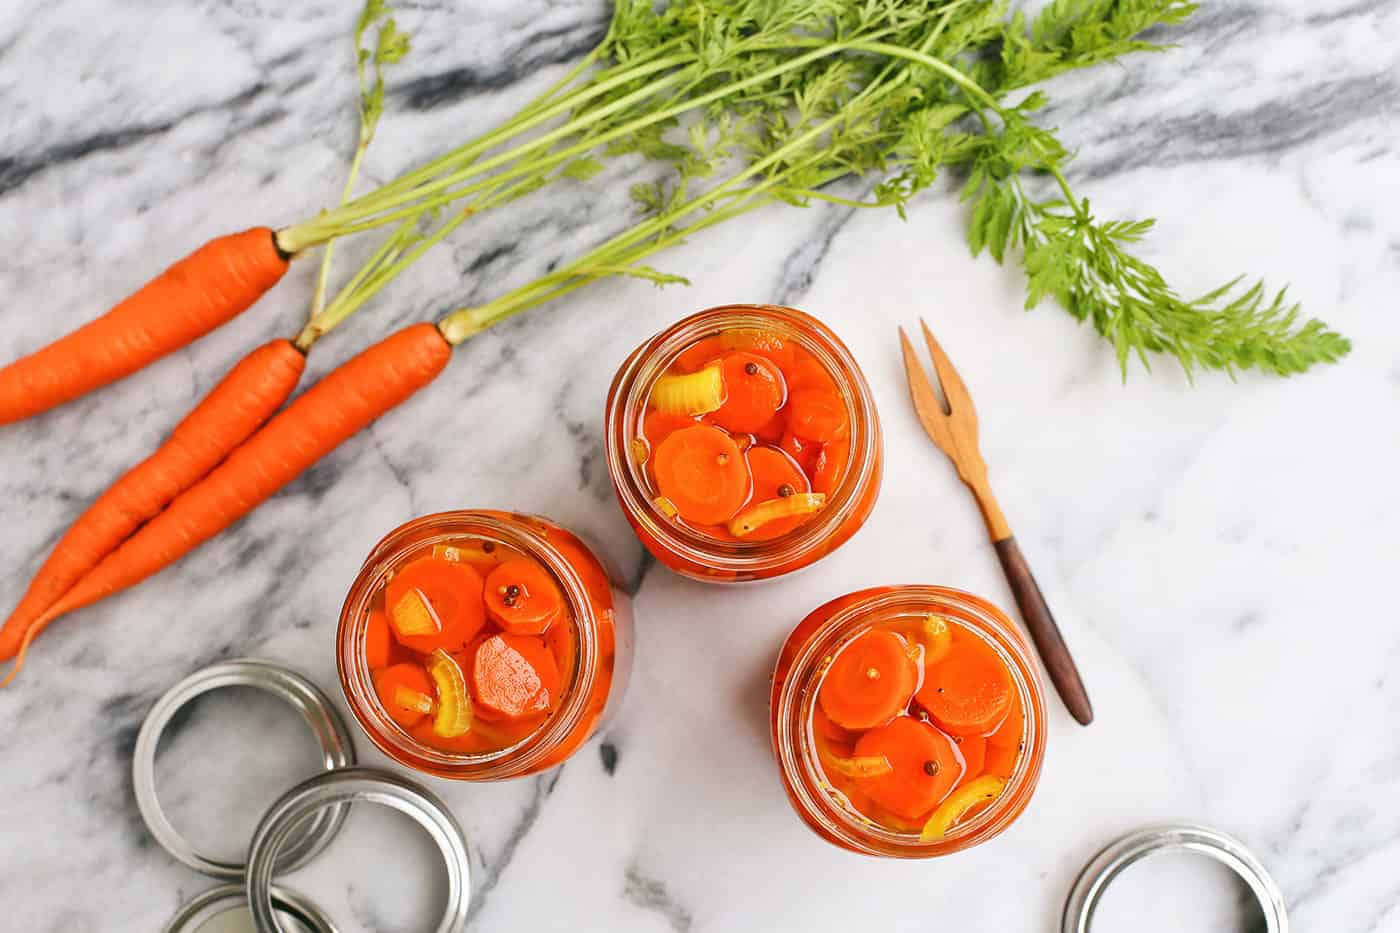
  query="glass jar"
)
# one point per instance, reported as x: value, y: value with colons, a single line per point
x: 600, y: 624
x: 705, y: 557
x: 804, y: 658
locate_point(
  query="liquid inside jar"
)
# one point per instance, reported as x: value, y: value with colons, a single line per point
x: 917, y: 725
x: 744, y: 436
x: 471, y: 646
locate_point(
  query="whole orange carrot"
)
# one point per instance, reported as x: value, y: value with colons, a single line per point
x: 235, y: 408
x: 212, y: 285
x: 313, y: 425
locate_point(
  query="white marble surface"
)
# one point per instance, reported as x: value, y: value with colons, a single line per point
x: 1220, y: 556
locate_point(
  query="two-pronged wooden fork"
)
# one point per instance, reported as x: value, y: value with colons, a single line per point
x: 952, y: 424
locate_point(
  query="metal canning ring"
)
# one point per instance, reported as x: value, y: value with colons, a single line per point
x: 337, y: 751
x: 1229, y: 851
x: 216, y: 902
x: 357, y: 785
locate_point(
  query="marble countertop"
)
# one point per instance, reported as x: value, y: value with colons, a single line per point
x: 1218, y: 554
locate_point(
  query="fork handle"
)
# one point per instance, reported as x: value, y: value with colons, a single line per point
x: 1044, y: 632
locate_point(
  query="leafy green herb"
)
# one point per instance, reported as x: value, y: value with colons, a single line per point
x: 755, y: 101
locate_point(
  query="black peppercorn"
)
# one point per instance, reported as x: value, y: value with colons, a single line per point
x: 751, y: 369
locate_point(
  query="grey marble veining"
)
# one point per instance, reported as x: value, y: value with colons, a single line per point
x: 1217, y: 554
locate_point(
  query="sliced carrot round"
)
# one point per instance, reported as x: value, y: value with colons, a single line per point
x: 754, y: 391
x: 453, y: 593
x: 870, y: 681
x: 926, y: 766
x: 659, y: 425
x: 973, y: 749
x: 1001, y: 759
x: 695, y: 356
x: 970, y: 691
x: 804, y: 453
x: 806, y: 373
x: 830, y: 467
x: 703, y: 473
x: 514, y: 676
x: 406, y: 692
x: 379, y: 641
x: 775, y: 475
x: 522, y: 597
x: 818, y: 415
x: 824, y: 727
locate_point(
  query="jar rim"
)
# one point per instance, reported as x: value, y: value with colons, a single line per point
x: 627, y: 398
x: 795, y: 746
x: 512, y: 530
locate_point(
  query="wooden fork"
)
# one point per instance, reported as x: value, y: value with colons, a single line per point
x: 952, y: 424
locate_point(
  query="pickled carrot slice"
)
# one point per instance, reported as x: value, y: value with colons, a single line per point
x: 925, y: 766
x: 698, y: 354
x: 703, y: 473
x: 805, y: 453
x: 754, y: 390
x: 379, y: 644
x: 1001, y: 759
x: 806, y: 373
x: 973, y: 749
x: 522, y: 597
x: 824, y: 727
x: 818, y: 415
x: 659, y: 425
x: 870, y: 681
x: 970, y: 691
x: 762, y: 342
x: 775, y: 475
x: 514, y: 676
x: 452, y: 590
x: 409, y: 677
x: 830, y: 466
x: 974, y: 794
x: 696, y: 393
x: 454, y: 713
x: 758, y: 517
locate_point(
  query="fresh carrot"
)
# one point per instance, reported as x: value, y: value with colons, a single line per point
x: 702, y: 472
x: 871, y: 680
x: 970, y: 691
x: 514, y: 676
x: 522, y: 597
x: 449, y: 592
x: 209, y: 287
x: 313, y: 425
x: 754, y: 391
x: 406, y: 691
x: 236, y: 407
x: 925, y: 766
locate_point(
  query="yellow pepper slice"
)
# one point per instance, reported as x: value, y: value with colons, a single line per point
x: 756, y: 516
x: 409, y: 699
x: 454, y: 713
x: 665, y: 506
x: 937, y: 637
x: 697, y: 393
x: 414, y: 615
x: 985, y: 788
x: 861, y: 766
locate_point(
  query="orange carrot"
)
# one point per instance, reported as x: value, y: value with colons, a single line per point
x: 701, y: 470
x: 754, y: 391
x: 775, y: 475
x: 245, y: 398
x: 313, y: 425
x: 970, y: 691
x: 406, y: 691
x: 514, y: 676
x: 450, y: 591
x: 926, y: 766
x: 212, y: 285
x: 870, y: 682
x: 523, y: 598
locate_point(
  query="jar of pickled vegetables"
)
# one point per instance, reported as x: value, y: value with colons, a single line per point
x: 743, y: 443
x: 482, y: 645
x: 907, y: 721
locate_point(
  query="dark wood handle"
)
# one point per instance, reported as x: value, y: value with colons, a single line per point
x: 1044, y: 632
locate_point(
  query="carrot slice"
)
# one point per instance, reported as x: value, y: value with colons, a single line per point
x: 702, y: 472
x: 451, y: 590
x: 775, y: 475
x: 804, y: 452
x: 659, y: 425
x: 925, y: 766
x: 695, y: 356
x: 830, y: 467
x: 806, y: 373
x: 936, y: 635
x: 522, y: 597
x: 973, y: 749
x: 378, y: 640
x: 754, y: 391
x: 514, y: 676
x: 399, y: 688
x: 869, y: 682
x: 824, y: 727
x: 969, y: 692
x: 761, y: 342
x: 1001, y: 759
x: 975, y: 794
x: 1012, y: 730
x: 818, y: 414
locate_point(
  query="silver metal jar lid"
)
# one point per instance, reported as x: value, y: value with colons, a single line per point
x: 1108, y: 864
x: 225, y: 910
x: 336, y: 789
x: 337, y: 751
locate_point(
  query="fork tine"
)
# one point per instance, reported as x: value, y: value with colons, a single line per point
x: 954, y: 390
x: 926, y: 400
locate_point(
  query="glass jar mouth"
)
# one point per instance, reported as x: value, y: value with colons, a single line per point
x: 796, y: 747
x: 392, y: 739
x: 629, y: 398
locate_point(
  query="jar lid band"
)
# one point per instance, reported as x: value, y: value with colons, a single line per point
x: 1202, y: 840
x: 216, y: 902
x: 337, y: 751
